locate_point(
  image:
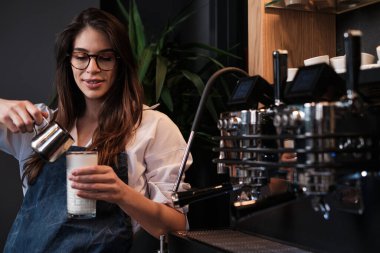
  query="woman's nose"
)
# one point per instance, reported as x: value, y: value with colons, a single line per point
x: 93, y: 66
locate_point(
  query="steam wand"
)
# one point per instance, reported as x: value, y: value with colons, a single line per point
x: 197, y: 117
x: 280, y: 73
x: 353, y: 60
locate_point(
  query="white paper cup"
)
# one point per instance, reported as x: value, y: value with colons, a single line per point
x: 338, y: 63
x: 77, y: 207
x: 369, y: 66
x: 291, y: 74
x: 367, y: 59
x: 378, y: 54
x: 317, y: 60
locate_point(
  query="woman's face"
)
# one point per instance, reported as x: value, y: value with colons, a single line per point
x: 96, y: 79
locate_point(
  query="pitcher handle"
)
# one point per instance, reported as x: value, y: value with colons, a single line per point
x: 44, y: 124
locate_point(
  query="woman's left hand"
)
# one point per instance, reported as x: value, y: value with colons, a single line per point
x: 98, y: 182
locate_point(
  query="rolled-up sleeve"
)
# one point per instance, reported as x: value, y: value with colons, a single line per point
x: 163, y: 175
x: 163, y: 158
x: 155, y: 156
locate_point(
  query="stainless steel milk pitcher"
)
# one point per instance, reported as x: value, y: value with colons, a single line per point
x: 52, y: 141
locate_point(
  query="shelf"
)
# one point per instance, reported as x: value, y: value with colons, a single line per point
x: 325, y: 6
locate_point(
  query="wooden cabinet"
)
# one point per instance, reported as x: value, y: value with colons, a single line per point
x: 303, y: 34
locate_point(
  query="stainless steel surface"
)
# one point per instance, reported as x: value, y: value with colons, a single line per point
x: 332, y: 183
x: 235, y: 241
x: 52, y: 141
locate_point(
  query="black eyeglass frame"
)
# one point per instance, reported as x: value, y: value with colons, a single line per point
x: 70, y: 55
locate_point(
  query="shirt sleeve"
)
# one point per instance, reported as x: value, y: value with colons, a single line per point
x: 15, y: 144
x: 18, y: 144
x: 163, y: 158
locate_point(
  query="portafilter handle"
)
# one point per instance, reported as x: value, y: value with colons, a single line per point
x: 181, y: 199
x: 353, y: 61
x: 280, y: 74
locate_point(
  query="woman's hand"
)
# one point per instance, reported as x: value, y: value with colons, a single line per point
x: 101, y: 183
x: 98, y: 182
x: 19, y: 116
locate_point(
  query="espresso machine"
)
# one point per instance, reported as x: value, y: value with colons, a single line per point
x: 303, y: 160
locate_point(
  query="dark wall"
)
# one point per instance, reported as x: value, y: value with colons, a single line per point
x: 218, y: 23
x: 367, y: 20
x: 28, y: 30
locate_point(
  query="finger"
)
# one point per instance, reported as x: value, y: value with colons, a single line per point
x: 45, y: 114
x: 92, y: 186
x: 15, y: 120
x: 90, y: 170
x: 35, y: 114
x: 8, y: 122
x: 94, y: 191
x: 22, y: 118
x: 106, y: 196
x: 93, y: 178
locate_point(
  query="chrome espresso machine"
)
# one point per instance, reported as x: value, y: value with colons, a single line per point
x: 304, y: 169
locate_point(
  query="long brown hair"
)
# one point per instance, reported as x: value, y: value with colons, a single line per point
x: 121, y: 111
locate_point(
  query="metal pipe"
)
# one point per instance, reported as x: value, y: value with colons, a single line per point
x: 197, y: 117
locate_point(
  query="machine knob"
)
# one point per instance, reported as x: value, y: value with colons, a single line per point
x: 277, y: 120
x: 234, y: 123
x: 222, y: 124
x: 296, y: 118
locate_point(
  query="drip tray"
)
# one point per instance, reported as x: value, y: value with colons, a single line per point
x: 225, y: 240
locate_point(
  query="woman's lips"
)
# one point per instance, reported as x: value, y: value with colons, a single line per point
x: 93, y: 83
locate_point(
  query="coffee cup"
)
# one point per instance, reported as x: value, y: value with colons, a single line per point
x: 291, y: 74
x: 367, y: 59
x: 378, y: 54
x: 78, y: 207
x: 338, y: 63
x: 317, y: 60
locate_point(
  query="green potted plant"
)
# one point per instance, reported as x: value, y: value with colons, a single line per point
x: 173, y: 74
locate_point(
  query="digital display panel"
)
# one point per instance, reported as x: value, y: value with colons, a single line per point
x: 304, y: 81
x: 315, y: 83
x: 242, y: 91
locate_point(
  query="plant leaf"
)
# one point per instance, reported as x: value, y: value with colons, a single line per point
x: 167, y: 98
x: 161, y: 70
x: 122, y: 9
x: 145, y: 61
x: 195, y: 79
x: 212, y: 49
x: 138, y: 30
x: 199, y: 84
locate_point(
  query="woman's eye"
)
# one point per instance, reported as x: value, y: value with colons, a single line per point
x: 80, y: 57
x: 105, y: 57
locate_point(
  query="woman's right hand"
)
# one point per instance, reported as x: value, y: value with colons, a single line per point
x: 19, y: 116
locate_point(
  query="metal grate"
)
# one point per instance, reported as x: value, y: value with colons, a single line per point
x: 239, y: 242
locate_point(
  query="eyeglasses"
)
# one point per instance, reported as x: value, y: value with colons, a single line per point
x: 104, y: 60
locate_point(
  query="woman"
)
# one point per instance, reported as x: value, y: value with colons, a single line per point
x: 100, y: 101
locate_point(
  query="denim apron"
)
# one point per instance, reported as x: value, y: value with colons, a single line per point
x: 42, y: 225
